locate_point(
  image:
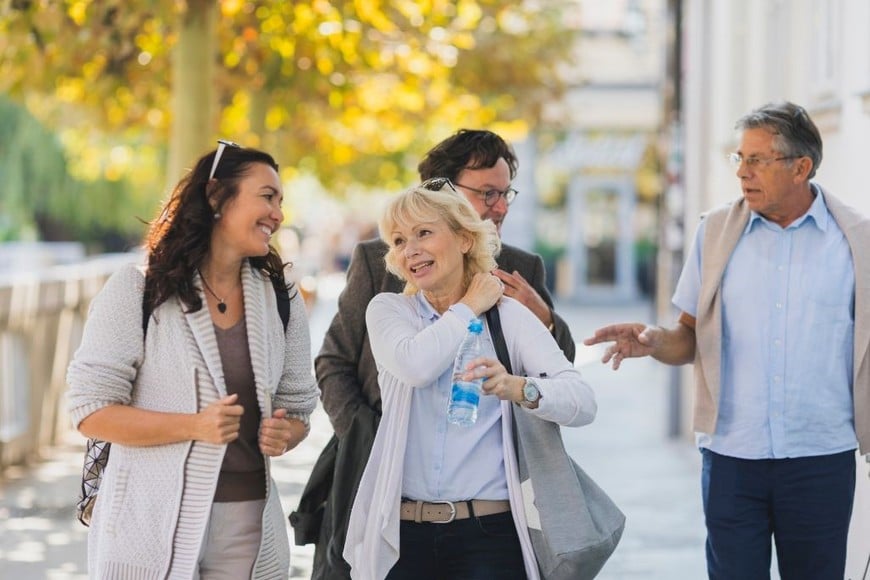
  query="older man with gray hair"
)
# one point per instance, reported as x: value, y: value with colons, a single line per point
x: 775, y: 313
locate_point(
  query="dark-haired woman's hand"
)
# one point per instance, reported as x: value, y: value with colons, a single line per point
x: 278, y: 434
x: 219, y: 422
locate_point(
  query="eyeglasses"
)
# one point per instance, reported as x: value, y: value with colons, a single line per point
x: 491, y: 196
x: 222, y: 144
x: 752, y: 162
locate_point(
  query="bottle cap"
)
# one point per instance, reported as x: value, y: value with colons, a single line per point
x: 475, y: 325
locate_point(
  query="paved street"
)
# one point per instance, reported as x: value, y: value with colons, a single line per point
x: 653, y: 479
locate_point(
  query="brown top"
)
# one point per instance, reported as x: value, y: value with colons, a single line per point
x: 243, y: 473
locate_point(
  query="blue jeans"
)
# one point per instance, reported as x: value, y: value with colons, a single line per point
x: 804, y: 502
x: 485, y: 548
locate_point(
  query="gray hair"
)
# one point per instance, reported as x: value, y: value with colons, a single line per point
x: 795, y: 134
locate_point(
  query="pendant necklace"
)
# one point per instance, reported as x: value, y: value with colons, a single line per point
x: 221, y: 305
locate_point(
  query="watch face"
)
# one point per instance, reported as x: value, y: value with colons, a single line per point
x: 531, y: 392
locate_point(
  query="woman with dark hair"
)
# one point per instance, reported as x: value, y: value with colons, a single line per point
x: 187, y: 368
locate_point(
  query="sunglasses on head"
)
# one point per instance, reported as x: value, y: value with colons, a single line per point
x: 438, y: 184
x: 222, y: 144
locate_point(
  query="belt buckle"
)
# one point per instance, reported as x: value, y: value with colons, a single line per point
x: 452, y: 512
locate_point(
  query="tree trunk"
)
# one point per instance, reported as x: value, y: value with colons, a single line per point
x: 193, y: 88
x: 257, y: 117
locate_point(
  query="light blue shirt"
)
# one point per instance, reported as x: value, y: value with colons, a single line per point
x: 439, y: 454
x: 788, y: 316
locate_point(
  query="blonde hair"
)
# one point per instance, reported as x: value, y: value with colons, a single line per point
x: 418, y: 204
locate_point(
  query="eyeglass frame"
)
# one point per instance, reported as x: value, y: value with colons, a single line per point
x: 509, y: 194
x: 222, y: 144
x: 752, y: 162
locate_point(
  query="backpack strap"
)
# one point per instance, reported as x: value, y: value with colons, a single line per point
x: 283, y: 298
x: 146, y: 308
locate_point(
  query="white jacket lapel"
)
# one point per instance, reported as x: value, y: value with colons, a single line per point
x: 259, y: 304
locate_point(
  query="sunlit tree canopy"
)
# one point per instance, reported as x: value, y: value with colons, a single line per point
x: 352, y: 92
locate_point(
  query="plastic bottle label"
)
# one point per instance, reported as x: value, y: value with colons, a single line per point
x: 465, y: 392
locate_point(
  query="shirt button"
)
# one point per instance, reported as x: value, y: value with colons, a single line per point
x: 780, y: 268
x: 777, y: 342
x: 779, y: 304
x: 777, y: 379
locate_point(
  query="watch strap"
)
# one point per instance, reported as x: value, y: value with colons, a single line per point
x: 534, y: 386
x: 526, y: 402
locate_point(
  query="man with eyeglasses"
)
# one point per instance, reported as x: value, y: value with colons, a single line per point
x: 775, y: 314
x: 481, y: 166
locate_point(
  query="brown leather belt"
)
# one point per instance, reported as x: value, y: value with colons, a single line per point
x: 444, y: 512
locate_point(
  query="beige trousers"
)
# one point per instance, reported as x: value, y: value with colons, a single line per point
x: 232, y: 540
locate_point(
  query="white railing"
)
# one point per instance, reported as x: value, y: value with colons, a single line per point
x: 42, y: 312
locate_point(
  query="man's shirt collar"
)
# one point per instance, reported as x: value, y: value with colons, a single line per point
x: 818, y: 213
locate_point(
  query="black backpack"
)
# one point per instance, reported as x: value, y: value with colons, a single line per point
x: 97, y: 451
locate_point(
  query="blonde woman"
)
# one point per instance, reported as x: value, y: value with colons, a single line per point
x: 438, y: 500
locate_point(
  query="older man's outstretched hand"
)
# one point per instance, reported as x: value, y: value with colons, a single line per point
x: 630, y: 340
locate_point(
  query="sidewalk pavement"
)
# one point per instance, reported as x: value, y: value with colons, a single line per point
x: 654, y: 479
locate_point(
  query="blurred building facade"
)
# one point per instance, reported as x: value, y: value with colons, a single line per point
x: 591, y: 167
x: 740, y: 54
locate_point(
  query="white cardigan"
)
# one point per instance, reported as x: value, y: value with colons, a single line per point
x: 399, y: 343
x: 154, y: 502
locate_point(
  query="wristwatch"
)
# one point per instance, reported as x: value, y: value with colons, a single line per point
x: 531, y: 394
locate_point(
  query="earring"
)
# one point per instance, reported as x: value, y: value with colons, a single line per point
x: 217, y: 215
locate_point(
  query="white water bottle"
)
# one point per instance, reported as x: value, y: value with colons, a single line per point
x: 465, y: 395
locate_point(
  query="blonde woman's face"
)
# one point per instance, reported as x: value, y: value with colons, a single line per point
x: 429, y: 254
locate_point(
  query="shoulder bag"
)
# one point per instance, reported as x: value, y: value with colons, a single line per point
x: 573, y: 524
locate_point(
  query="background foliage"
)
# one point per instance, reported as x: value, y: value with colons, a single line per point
x: 351, y: 92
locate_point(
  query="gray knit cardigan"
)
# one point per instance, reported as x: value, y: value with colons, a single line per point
x: 154, y: 502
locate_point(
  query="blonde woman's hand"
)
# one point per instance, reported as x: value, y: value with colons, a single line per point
x: 483, y: 292
x: 496, y: 380
x: 279, y: 435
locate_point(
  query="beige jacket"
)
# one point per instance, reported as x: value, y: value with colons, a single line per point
x: 724, y: 228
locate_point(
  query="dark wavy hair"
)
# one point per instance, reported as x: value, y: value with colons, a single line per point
x: 466, y: 149
x: 179, y: 239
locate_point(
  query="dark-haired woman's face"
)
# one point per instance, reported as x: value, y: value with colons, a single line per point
x: 252, y: 216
